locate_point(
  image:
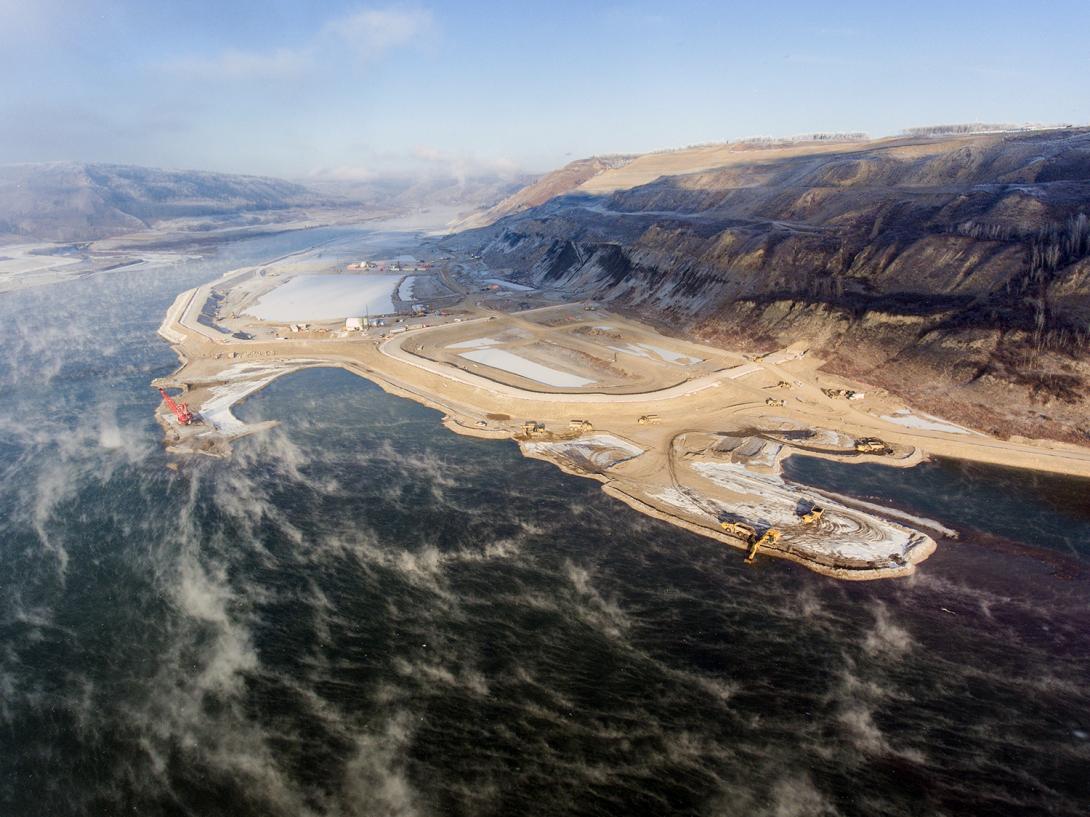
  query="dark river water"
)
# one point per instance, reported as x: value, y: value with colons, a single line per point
x: 361, y: 613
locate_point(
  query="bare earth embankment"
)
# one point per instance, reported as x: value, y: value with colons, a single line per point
x: 686, y: 432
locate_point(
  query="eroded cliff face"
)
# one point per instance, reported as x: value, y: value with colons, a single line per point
x: 955, y: 272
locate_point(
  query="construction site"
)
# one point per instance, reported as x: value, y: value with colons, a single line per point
x: 681, y: 431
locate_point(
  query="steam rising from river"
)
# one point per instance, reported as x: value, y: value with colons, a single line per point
x: 360, y: 613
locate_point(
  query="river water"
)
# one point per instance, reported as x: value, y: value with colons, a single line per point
x: 361, y: 613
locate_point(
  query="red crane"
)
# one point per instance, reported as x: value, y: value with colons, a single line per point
x: 181, y: 410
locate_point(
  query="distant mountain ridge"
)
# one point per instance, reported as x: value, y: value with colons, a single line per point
x: 66, y: 201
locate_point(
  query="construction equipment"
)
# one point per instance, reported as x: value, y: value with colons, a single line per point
x: 580, y: 426
x: 844, y: 394
x: 812, y: 516
x: 747, y: 533
x: 872, y: 445
x: 770, y: 537
x: 181, y: 410
x: 649, y: 420
x: 771, y: 401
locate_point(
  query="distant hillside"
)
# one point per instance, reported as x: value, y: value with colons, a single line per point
x: 951, y: 268
x: 67, y: 201
x: 553, y: 184
x: 408, y: 192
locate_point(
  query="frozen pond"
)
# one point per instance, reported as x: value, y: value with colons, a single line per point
x: 405, y: 288
x: 327, y: 297
x: 475, y: 343
x: 508, y: 362
x: 670, y: 355
x: 649, y: 351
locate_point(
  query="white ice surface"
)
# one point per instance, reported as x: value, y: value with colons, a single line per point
x: 405, y: 288
x: 327, y: 297
x: 241, y: 380
x: 649, y: 351
x: 670, y: 355
x: 924, y: 422
x: 632, y: 349
x: 217, y: 410
x: 475, y: 343
x: 509, y: 362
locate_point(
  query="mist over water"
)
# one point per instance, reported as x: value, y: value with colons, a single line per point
x: 361, y: 613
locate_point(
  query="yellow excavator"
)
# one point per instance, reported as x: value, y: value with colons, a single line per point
x: 770, y: 537
x: 812, y: 516
x: 748, y: 534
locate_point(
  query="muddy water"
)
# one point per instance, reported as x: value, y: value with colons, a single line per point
x: 362, y: 613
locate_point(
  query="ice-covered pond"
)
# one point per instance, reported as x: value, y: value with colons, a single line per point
x: 327, y: 297
x: 515, y: 364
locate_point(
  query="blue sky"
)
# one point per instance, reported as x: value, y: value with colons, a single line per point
x: 345, y: 89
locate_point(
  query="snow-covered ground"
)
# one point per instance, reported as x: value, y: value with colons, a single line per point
x: 604, y: 450
x: 924, y: 422
x: 672, y: 496
x: 327, y: 297
x: 741, y: 370
x: 509, y: 285
x: 509, y: 362
x: 766, y: 500
x: 649, y: 351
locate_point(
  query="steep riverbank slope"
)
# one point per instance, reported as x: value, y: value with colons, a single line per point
x: 953, y: 270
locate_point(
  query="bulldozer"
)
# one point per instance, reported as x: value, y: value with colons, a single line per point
x: 812, y: 516
x: 872, y: 445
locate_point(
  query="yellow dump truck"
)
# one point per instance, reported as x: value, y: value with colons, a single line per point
x: 747, y: 533
x: 812, y: 516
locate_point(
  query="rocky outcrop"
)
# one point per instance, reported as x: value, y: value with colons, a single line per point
x: 954, y: 270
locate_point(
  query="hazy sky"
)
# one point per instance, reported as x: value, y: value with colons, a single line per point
x: 343, y: 88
